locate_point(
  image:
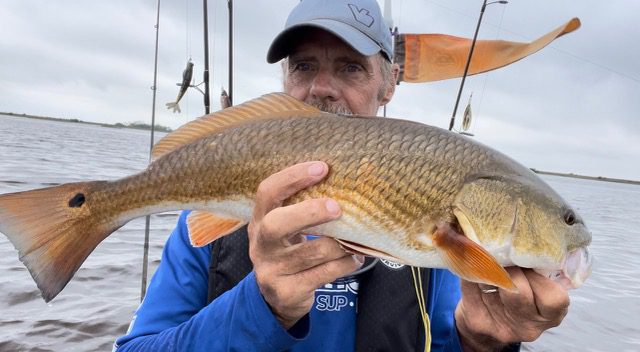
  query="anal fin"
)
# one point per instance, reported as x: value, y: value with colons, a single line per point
x: 205, y: 227
x: 469, y: 260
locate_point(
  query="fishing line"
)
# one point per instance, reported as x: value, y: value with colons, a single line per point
x: 462, y: 13
x: 188, y: 56
x: 187, y: 35
x: 400, y: 17
x: 486, y: 74
x: 551, y: 46
x: 216, y: 64
x: 422, y: 305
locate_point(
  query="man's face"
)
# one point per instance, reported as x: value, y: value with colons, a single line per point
x: 325, y: 72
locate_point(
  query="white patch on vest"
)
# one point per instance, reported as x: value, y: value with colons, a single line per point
x: 335, y: 296
x: 392, y: 265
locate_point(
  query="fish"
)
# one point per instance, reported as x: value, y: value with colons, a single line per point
x: 187, y: 74
x: 225, y: 102
x: 409, y: 192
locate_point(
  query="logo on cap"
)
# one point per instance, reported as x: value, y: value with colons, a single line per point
x: 361, y: 15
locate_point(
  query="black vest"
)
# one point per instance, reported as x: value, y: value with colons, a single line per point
x: 388, y: 318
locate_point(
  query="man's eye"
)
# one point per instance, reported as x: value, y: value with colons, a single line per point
x: 302, y: 66
x: 353, y: 68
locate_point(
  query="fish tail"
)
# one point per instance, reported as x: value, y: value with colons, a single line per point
x: 54, y: 229
x: 173, y: 105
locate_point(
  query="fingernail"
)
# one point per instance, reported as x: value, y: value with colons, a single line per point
x: 316, y: 169
x: 332, y: 207
x: 359, y: 258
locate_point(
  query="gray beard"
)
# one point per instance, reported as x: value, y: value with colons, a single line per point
x: 334, y: 109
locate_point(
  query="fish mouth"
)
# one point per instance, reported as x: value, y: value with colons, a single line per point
x: 575, y: 269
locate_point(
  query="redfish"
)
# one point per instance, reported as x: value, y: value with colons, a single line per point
x: 410, y: 193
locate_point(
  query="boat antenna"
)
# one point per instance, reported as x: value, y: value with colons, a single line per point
x: 145, y: 256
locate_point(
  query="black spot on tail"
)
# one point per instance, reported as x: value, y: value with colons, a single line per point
x: 76, y: 201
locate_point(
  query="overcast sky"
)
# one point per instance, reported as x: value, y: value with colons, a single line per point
x: 572, y: 107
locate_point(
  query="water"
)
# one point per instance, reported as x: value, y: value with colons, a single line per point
x: 97, y: 304
x: 604, y: 312
x: 101, y: 298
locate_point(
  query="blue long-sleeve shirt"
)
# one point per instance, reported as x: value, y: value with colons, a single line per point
x: 175, y: 316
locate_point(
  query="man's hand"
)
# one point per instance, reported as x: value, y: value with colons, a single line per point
x: 289, y: 268
x: 487, y: 321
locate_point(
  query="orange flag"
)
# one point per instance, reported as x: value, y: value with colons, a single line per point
x: 434, y: 57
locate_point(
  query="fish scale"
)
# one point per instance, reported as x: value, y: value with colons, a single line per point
x: 411, y: 193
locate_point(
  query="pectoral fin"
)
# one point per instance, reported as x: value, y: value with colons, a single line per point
x: 205, y: 227
x: 468, y: 259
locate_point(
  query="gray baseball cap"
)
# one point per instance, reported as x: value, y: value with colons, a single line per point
x: 358, y: 22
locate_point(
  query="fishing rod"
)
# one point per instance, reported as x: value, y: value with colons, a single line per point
x: 466, y: 67
x: 207, y: 104
x: 145, y: 256
x: 206, y: 59
x: 230, y: 92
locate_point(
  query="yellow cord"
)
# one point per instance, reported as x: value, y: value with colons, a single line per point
x: 417, y: 284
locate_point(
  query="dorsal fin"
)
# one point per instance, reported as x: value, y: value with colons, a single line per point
x: 270, y: 106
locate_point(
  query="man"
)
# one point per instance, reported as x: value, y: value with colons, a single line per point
x: 268, y: 287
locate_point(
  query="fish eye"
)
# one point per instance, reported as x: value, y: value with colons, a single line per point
x: 569, y: 217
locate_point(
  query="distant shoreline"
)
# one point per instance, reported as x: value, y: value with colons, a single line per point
x: 141, y: 126
x: 593, y: 178
x: 133, y: 125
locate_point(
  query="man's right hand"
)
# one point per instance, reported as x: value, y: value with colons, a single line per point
x: 288, y: 267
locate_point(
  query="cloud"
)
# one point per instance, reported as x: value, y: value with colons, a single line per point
x: 571, y: 107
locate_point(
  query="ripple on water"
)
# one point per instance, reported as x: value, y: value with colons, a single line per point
x: 97, y: 305
x: 23, y: 347
x: 23, y: 297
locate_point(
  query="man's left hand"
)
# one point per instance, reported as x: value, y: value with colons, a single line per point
x: 489, y: 321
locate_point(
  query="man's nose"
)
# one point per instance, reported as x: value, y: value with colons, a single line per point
x: 323, y: 86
